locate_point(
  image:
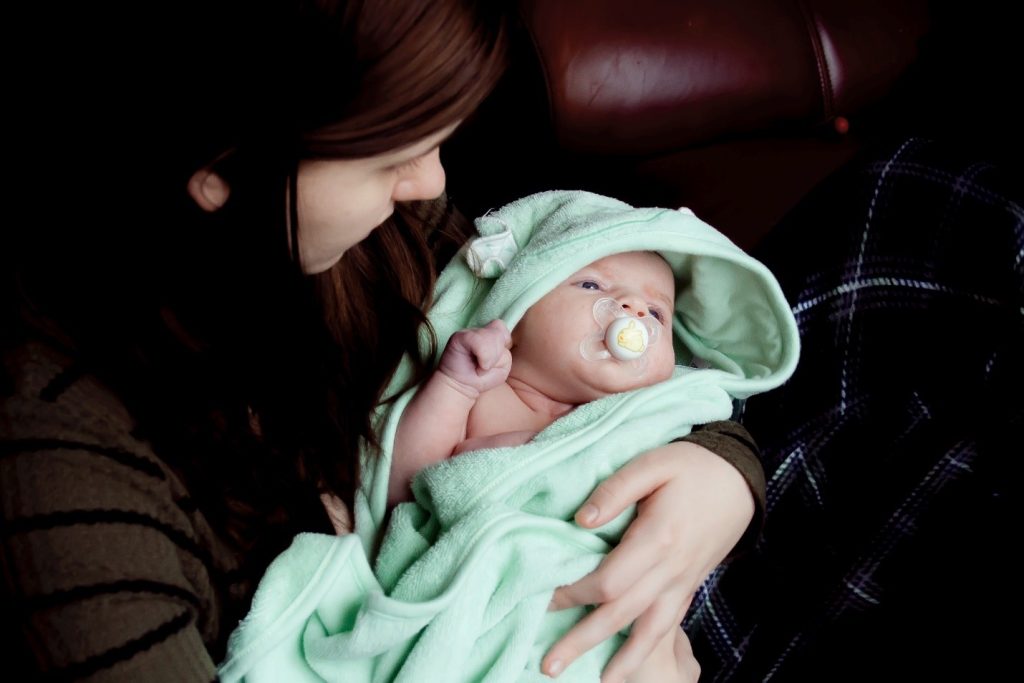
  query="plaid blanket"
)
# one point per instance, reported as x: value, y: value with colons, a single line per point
x: 891, y: 455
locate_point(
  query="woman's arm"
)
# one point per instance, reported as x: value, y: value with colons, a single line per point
x: 108, y: 570
x: 731, y: 441
x: 693, y: 506
x: 103, y: 569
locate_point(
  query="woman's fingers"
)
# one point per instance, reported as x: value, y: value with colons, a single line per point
x: 635, y: 558
x: 692, y: 506
x: 616, y: 575
x: 686, y: 663
x: 605, y: 621
x: 648, y: 630
x: 636, y: 480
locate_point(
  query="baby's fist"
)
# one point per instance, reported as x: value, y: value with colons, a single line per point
x: 478, y: 359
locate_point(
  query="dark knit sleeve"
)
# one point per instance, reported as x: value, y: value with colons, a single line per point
x: 730, y: 441
x: 105, y: 569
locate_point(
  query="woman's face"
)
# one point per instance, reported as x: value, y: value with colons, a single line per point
x: 341, y: 201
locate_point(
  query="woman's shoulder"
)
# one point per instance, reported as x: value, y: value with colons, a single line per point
x: 51, y: 395
x: 102, y: 545
x: 86, y: 502
x: 59, y: 424
x: 68, y: 442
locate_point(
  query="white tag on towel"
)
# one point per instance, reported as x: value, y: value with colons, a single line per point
x: 489, y: 256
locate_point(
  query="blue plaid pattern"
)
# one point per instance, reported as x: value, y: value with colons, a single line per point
x: 891, y: 455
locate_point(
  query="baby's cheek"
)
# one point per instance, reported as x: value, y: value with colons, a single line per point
x: 665, y: 364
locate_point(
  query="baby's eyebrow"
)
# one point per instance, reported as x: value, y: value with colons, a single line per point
x: 587, y: 272
x: 663, y: 298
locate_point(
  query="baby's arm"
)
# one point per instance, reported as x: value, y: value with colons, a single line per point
x: 500, y: 440
x: 434, y: 422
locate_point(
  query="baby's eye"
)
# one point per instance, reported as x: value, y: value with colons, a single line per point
x: 658, y: 315
x: 590, y: 284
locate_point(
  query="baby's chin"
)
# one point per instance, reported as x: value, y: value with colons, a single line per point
x: 610, y: 377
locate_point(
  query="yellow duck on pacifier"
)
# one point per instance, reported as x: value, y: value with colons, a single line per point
x: 626, y: 339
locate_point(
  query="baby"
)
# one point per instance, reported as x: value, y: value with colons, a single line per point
x: 495, y: 389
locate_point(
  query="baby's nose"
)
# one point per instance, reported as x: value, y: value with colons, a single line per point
x: 633, y: 306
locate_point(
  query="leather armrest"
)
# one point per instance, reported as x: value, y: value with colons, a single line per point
x: 648, y: 76
x: 728, y: 107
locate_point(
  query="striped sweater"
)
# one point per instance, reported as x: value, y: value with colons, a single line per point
x: 109, y: 573
x: 110, y: 570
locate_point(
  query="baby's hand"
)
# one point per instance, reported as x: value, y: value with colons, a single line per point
x: 478, y: 359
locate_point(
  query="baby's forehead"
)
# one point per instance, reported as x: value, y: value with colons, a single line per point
x: 631, y: 262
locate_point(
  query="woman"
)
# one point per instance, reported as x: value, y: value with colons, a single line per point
x: 187, y: 378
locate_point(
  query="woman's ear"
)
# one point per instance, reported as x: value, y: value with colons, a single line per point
x: 208, y: 189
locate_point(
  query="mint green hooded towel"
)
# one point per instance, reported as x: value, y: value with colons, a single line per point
x: 462, y: 576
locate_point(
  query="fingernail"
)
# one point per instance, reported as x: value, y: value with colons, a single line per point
x: 587, y: 514
x: 555, y: 667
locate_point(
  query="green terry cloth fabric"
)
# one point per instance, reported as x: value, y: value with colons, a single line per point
x: 463, y: 575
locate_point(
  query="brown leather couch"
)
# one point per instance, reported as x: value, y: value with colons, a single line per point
x: 734, y: 108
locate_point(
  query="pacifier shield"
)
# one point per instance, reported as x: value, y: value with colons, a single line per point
x: 619, y: 335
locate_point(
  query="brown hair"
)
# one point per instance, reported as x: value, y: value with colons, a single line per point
x: 254, y: 381
x: 410, y: 85
x: 413, y: 68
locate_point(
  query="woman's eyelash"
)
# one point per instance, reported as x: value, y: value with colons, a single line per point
x: 407, y: 165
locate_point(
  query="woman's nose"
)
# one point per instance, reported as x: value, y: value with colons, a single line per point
x: 424, y: 180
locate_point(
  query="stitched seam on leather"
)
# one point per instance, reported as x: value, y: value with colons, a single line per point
x: 824, y: 79
x: 542, y: 60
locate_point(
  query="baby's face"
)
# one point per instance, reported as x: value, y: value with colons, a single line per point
x: 546, y: 342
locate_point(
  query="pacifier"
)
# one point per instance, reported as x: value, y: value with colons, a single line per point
x: 621, y: 336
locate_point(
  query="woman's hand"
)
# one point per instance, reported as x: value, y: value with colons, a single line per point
x: 692, y: 508
x: 672, y: 661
